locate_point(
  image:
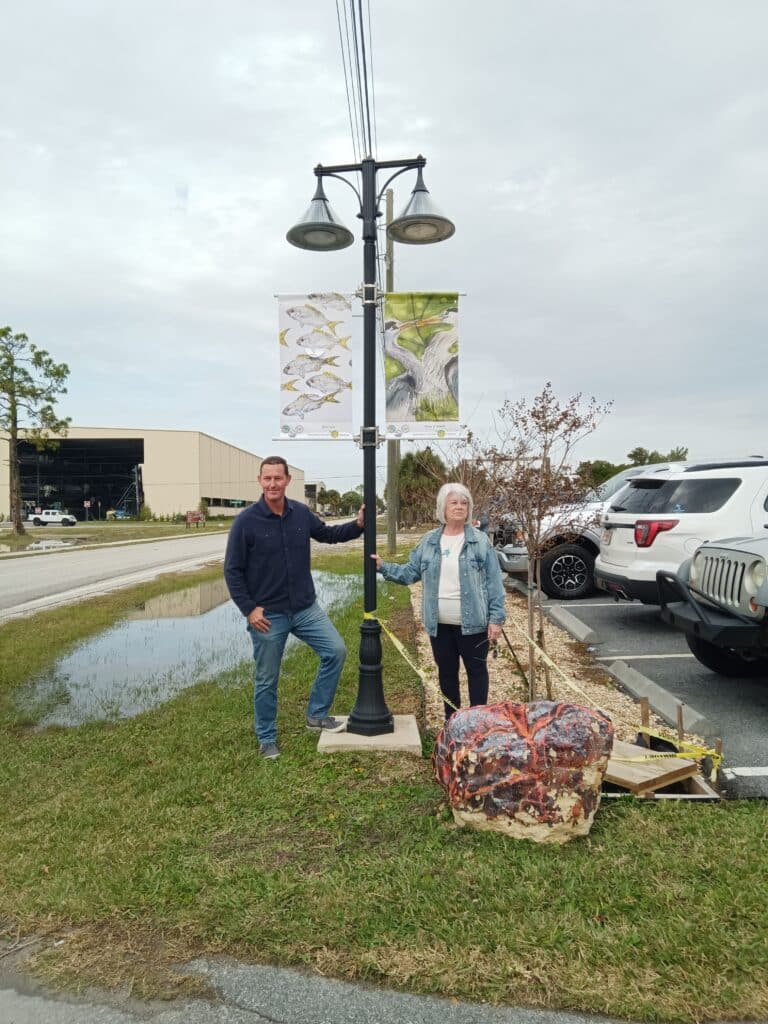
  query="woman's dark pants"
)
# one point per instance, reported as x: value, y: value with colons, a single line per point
x: 447, y: 647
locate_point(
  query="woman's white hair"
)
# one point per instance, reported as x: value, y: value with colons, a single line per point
x: 442, y: 498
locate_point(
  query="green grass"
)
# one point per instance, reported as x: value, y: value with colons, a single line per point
x: 164, y: 837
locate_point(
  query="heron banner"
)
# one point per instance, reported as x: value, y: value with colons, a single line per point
x: 421, y: 364
x: 315, y: 334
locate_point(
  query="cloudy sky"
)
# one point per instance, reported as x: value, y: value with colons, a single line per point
x: 605, y: 164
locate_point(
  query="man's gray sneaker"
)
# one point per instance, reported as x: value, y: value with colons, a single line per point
x: 327, y: 724
x: 269, y: 751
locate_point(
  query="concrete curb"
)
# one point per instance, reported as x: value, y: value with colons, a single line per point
x: 661, y: 701
x: 560, y: 616
x: 513, y: 583
x: 568, y: 621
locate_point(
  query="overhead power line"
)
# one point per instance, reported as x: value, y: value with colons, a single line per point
x: 357, y: 67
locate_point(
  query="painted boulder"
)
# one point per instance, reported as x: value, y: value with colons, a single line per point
x: 532, y: 771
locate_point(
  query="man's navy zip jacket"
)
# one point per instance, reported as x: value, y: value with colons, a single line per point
x: 267, y: 560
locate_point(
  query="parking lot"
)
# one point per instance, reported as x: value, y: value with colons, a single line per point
x: 736, y: 710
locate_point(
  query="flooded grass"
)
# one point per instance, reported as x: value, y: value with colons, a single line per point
x: 166, y: 645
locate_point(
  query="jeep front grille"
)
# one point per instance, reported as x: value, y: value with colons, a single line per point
x: 722, y: 578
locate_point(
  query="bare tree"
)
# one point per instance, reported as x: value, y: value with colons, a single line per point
x: 530, y: 480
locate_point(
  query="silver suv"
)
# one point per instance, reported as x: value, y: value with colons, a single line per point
x: 719, y: 598
x: 571, y: 542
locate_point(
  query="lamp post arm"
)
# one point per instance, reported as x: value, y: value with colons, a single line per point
x: 331, y: 174
x: 408, y: 167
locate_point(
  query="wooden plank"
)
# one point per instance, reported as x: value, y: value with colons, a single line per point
x: 645, y: 719
x: 645, y: 776
x: 696, y: 788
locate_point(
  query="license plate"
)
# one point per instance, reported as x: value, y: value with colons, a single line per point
x: 606, y: 538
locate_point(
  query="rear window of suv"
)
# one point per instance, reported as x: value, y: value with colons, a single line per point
x: 651, y: 497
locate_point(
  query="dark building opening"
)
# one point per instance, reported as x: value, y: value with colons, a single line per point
x: 104, y: 473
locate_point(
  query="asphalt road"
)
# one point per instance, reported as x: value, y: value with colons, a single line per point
x: 29, y: 583
x: 736, y: 709
x: 268, y: 995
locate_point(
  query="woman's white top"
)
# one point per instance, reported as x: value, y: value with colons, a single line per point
x: 449, y: 592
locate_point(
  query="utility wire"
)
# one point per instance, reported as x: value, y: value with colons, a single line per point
x: 346, y: 83
x: 349, y: 79
x: 357, y: 68
x: 356, y: 44
x: 365, y: 77
x: 373, y: 82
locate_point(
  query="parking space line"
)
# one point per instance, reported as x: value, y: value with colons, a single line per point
x: 745, y: 773
x: 640, y: 657
x: 599, y: 604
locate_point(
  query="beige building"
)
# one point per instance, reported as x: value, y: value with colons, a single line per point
x: 96, y: 469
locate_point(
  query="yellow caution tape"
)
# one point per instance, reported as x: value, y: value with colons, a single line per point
x: 546, y: 658
x: 686, y: 750
x: 693, y: 751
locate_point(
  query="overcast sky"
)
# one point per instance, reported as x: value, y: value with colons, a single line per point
x: 605, y: 164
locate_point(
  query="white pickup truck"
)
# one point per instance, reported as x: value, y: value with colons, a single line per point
x: 54, y: 516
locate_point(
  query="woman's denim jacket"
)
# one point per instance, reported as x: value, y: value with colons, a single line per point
x: 481, y: 588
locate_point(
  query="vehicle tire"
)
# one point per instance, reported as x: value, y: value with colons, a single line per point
x: 69, y: 522
x: 567, y: 572
x: 37, y: 522
x: 726, y: 661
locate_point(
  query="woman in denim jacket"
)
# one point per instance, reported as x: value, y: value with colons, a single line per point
x: 462, y: 595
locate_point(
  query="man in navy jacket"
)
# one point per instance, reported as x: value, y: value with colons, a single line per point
x: 267, y: 569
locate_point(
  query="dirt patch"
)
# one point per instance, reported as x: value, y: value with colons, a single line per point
x: 125, y: 963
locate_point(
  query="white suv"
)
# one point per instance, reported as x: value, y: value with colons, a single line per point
x: 656, y: 523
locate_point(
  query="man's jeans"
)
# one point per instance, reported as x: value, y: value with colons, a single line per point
x: 314, y: 628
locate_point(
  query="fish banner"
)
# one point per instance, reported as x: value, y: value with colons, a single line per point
x: 421, y: 364
x: 315, y: 365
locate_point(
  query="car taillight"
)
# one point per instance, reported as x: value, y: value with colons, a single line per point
x: 646, y: 530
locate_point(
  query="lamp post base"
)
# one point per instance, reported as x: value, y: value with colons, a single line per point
x: 370, y: 715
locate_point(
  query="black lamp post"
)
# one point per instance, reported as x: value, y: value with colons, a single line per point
x: 320, y: 230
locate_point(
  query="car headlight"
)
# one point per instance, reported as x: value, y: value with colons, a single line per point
x: 756, y: 574
x: 695, y: 570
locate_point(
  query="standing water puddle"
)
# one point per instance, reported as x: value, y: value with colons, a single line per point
x: 40, y: 545
x: 167, y: 645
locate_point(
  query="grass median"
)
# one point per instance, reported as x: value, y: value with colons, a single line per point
x: 147, y: 842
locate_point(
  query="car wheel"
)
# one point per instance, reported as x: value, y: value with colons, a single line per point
x: 726, y: 661
x: 567, y: 572
x: 37, y: 522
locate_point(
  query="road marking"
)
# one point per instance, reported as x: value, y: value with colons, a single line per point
x: 639, y: 657
x: 599, y: 604
x: 745, y: 773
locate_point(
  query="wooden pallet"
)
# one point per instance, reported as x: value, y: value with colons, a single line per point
x: 696, y: 788
x: 626, y: 769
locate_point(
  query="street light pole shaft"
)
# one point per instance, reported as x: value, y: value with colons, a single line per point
x: 370, y: 715
x: 369, y: 379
